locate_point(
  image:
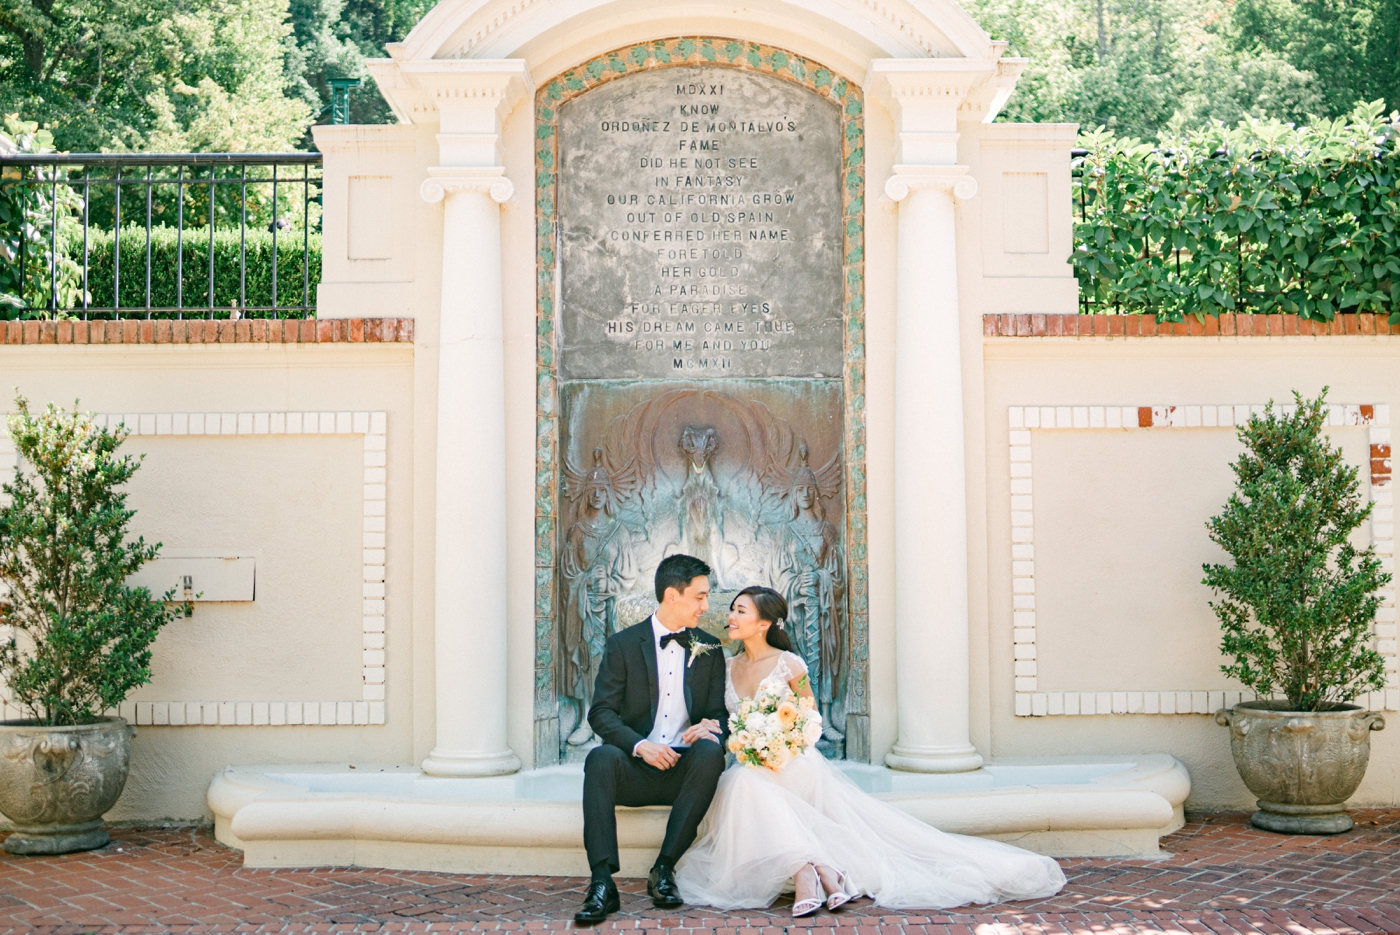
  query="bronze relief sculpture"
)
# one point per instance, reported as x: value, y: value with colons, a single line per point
x: 715, y: 474
x: 596, y: 567
x: 809, y: 571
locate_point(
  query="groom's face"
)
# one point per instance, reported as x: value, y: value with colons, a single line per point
x: 690, y: 604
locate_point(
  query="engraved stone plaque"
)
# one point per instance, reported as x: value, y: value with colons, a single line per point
x: 700, y: 229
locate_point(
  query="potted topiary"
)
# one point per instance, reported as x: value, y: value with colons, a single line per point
x: 74, y: 639
x: 1296, y: 611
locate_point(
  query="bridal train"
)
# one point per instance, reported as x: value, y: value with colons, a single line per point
x: 764, y: 826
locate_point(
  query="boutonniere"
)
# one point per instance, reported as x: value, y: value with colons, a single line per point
x: 698, y: 649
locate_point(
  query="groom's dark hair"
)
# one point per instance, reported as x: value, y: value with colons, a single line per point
x: 677, y: 571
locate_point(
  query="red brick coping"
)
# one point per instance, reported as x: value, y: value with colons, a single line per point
x: 1146, y: 326
x: 200, y: 331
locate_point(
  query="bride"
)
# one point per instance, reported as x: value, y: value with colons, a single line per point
x: 809, y: 824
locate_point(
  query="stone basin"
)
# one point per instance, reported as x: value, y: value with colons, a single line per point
x: 532, y: 822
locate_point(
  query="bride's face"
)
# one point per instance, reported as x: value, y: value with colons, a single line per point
x: 744, y: 622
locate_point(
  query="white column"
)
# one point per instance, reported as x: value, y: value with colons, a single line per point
x: 470, y: 569
x: 930, y: 488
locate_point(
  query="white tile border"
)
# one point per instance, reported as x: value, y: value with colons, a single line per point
x: 1030, y: 701
x: 373, y: 427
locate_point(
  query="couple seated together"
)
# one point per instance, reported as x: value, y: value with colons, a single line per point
x: 662, y: 706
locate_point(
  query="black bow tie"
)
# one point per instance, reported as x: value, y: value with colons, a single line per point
x: 682, y: 637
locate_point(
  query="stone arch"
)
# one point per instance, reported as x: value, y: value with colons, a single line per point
x: 550, y: 36
x: 465, y: 29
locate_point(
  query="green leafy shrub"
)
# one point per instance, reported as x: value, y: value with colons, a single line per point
x: 28, y: 210
x: 76, y: 638
x: 1261, y: 218
x: 1298, y: 605
x: 256, y: 269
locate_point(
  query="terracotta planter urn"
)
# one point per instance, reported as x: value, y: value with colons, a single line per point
x: 1302, y: 765
x: 56, y: 783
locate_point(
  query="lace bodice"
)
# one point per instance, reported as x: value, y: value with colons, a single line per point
x: 789, y: 667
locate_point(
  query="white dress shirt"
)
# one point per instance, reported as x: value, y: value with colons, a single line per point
x: 672, y: 718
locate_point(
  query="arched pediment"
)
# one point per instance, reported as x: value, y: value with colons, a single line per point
x: 552, y: 35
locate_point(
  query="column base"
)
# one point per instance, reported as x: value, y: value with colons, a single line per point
x: 461, y: 764
x: 954, y: 759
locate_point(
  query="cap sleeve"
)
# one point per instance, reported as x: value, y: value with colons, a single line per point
x: 795, y: 665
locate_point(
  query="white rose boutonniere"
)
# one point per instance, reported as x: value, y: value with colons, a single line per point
x: 698, y: 649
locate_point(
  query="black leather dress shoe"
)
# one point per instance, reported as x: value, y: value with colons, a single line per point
x: 661, y: 887
x: 598, y: 901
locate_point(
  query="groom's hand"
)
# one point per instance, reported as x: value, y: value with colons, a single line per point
x: 707, y: 729
x: 657, y: 754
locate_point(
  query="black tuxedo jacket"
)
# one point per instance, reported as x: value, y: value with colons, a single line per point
x: 624, y: 696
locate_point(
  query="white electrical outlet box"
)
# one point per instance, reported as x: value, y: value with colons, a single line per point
x: 200, y: 575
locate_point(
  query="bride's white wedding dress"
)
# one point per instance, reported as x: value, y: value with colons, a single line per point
x: 762, y: 827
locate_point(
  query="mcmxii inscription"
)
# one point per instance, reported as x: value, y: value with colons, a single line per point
x: 700, y: 228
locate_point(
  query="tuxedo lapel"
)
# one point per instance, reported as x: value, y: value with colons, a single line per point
x: 649, y: 658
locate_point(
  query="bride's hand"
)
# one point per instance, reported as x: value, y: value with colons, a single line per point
x: 707, y: 729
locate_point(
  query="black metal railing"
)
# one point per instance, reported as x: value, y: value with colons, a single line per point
x: 209, y: 235
x: 1076, y: 171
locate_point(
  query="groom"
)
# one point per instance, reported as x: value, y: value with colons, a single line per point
x: 658, y: 707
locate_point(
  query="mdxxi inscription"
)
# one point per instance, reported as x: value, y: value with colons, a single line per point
x: 700, y: 228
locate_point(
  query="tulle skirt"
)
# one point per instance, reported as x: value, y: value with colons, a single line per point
x: 763, y: 826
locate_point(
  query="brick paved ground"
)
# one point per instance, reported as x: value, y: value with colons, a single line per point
x: 1221, y: 877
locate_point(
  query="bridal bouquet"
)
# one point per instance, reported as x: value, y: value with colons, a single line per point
x: 772, y: 727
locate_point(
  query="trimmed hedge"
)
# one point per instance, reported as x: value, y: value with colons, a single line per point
x: 257, y: 269
x: 1263, y: 218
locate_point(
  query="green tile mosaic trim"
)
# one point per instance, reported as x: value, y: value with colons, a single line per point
x: 666, y: 53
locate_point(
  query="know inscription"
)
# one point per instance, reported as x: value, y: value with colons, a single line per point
x: 700, y: 228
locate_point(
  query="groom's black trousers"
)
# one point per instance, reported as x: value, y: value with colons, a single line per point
x: 611, y: 777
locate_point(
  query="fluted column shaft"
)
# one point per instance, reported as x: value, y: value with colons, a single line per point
x: 930, y: 488
x: 470, y: 591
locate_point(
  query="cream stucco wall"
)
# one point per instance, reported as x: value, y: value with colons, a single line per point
x: 295, y: 502
x: 1120, y: 532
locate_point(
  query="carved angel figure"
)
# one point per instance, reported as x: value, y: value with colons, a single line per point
x: 809, y: 571
x: 700, y: 507
x: 597, y: 566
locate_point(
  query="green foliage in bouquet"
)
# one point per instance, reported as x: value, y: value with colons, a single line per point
x: 76, y: 640
x: 1297, y: 606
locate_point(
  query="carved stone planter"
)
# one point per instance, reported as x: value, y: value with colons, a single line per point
x: 57, y: 782
x: 1303, y: 765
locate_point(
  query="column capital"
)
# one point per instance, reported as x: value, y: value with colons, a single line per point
x: 460, y: 95
x: 448, y: 180
x: 928, y: 98
x: 954, y: 179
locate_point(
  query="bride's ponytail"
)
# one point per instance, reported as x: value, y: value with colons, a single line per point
x: 771, y: 607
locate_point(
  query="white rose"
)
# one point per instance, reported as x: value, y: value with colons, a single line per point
x: 812, y: 732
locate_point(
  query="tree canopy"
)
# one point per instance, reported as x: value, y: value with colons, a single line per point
x: 244, y: 75
x: 1144, y: 67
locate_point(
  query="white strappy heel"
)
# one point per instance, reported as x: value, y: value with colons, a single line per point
x: 842, y: 895
x: 808, y: 906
